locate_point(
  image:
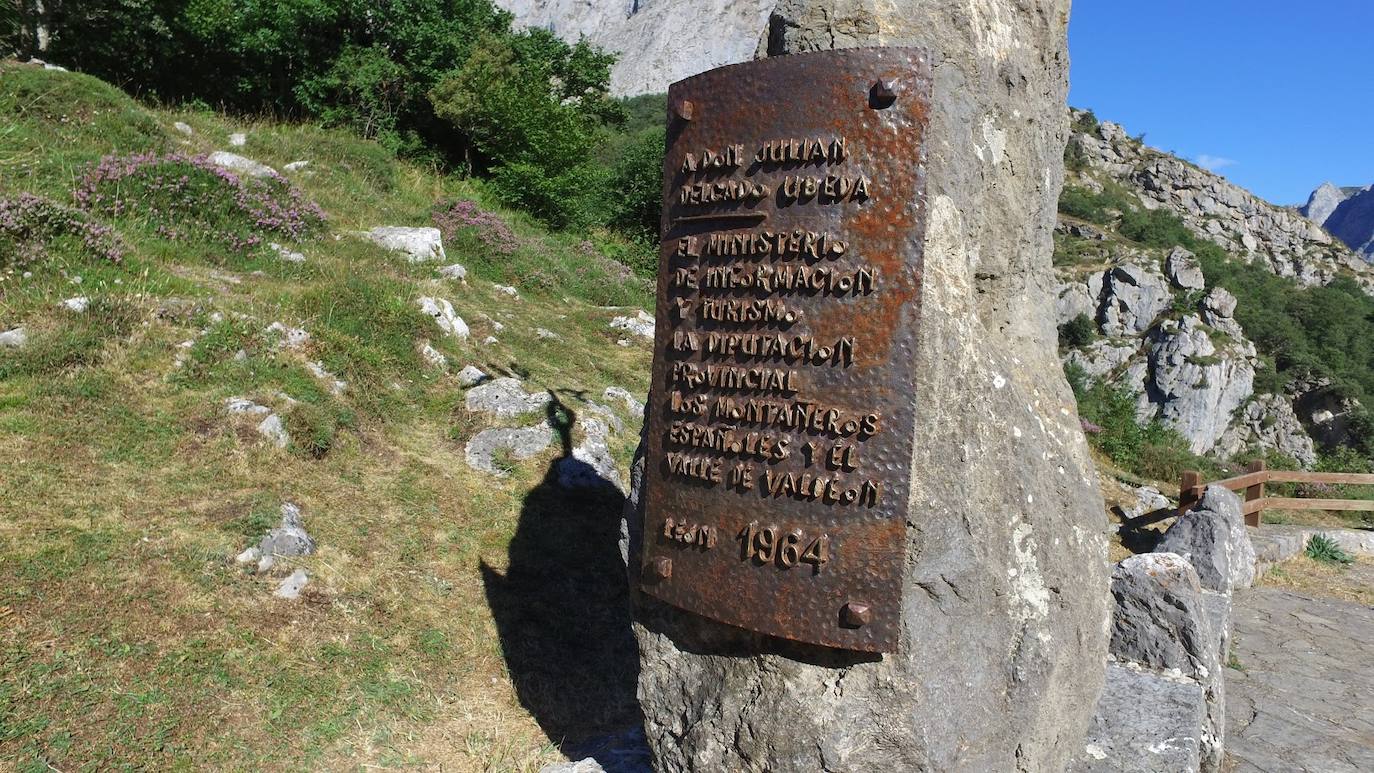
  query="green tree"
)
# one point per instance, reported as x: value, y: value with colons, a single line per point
x: 534, y: 108
x: 637, y: 185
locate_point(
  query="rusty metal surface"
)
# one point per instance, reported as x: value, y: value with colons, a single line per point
x: 778, y: 461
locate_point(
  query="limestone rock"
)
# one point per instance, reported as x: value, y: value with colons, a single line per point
x: 442, y: 313
x: 296, y: 166
x: 290, y: 538
x: 184, y: 128
x: 1193, y: 384
x: 591, y: 465
x: 1133, y: 297
x: 238, y: 140
x: 1159, y: 619
x: 508, y: 290
x: 432, y: 357
x: 1144, y: 723
x: 505, y: 397
x: 244, y: 405
x: 77, y: 305
x: 659, y: 41
x: 589, y: 765
x: 285, y: 253
x: 1218, y: 305
x: 641, y: 324
x: 1184, y: 270
x: 1268, y: 423
x: 273, y: 429
x: 521, y: 444
x: 631, y: 402
x: 1162, y: 622
x: 1075, y: 299
x: 455, y: 271
x: 1000, y: 662
x: 417, y: 244
x: 236, y: 163
x: 1212, y: 537
x: 291, y: 587
x: 1278, y: 238
x: 1101, y: 357
x: 334, y: 384
x: 287, y: 336
x: 1147, y: 500
x: 1325, y: 413
x: 471, y: 376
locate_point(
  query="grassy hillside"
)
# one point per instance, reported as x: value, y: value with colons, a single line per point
x: 452, y: 618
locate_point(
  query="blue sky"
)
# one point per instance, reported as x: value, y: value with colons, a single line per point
x: 1277, y: 96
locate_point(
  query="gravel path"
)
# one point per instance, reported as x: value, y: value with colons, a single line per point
x: 1304, y: 700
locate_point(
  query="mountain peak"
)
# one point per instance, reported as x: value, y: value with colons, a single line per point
x: 1323, y: 202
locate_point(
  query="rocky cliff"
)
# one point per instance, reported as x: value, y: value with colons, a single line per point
x: 1162, y: 329
x: 1348, y: 213
x: 659, y: 41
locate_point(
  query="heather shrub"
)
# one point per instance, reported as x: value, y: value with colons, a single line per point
x: 29, y: 223
x: 460, y: 220
x: 185, y: 198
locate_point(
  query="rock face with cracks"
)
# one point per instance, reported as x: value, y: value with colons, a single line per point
x: 1004, y: 625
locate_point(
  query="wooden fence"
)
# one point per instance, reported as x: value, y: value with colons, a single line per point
x: 1256, y: 475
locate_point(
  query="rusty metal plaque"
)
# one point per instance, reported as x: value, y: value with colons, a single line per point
x: 779, y: 446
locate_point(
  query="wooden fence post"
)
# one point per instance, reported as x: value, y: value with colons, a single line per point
x: 1187, y: 496
x: 1254, y: 493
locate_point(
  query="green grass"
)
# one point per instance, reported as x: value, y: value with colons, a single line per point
x: 129, y: 639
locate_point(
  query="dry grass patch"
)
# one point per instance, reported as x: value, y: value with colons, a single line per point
x: 1352, y: 582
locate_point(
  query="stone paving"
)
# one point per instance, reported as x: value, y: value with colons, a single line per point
x: 1304, y: 699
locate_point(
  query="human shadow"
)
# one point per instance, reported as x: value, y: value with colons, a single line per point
x: 562, y: 607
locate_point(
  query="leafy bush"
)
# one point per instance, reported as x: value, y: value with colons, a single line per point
x: 1093, y: 207
x: 636, y: 185
x: 534, y: 108
x: 1086, y: 123
x: 28, y: 223
x: 1151, y: 449
x: 1077, y: 332
x: 1074, y: 158
x: 1155, y: 228
x: 1324, y: 549
x: 186, y: 198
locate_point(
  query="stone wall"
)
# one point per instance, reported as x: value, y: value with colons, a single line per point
x: 1163, y: 705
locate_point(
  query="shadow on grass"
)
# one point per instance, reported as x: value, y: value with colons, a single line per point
x: 562, y: 608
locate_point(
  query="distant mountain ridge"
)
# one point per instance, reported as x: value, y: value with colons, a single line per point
x: 1347, y: 212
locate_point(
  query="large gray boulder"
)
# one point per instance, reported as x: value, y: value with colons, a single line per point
x: 1145, y: 722
x: 1184, y: 270
x: 1159, y: 619
x: 1133, y: 298
x: 1004, y: 623
x: 1195, y: 382
x: 1163, y: 621
x: 520, y: 444
x: 241, y: 164
x: 1268, y: 423
x: 505, y: 397
x: 1212, y: 537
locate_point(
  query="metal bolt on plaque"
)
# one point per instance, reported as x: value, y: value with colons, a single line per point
x: 778, y: 459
